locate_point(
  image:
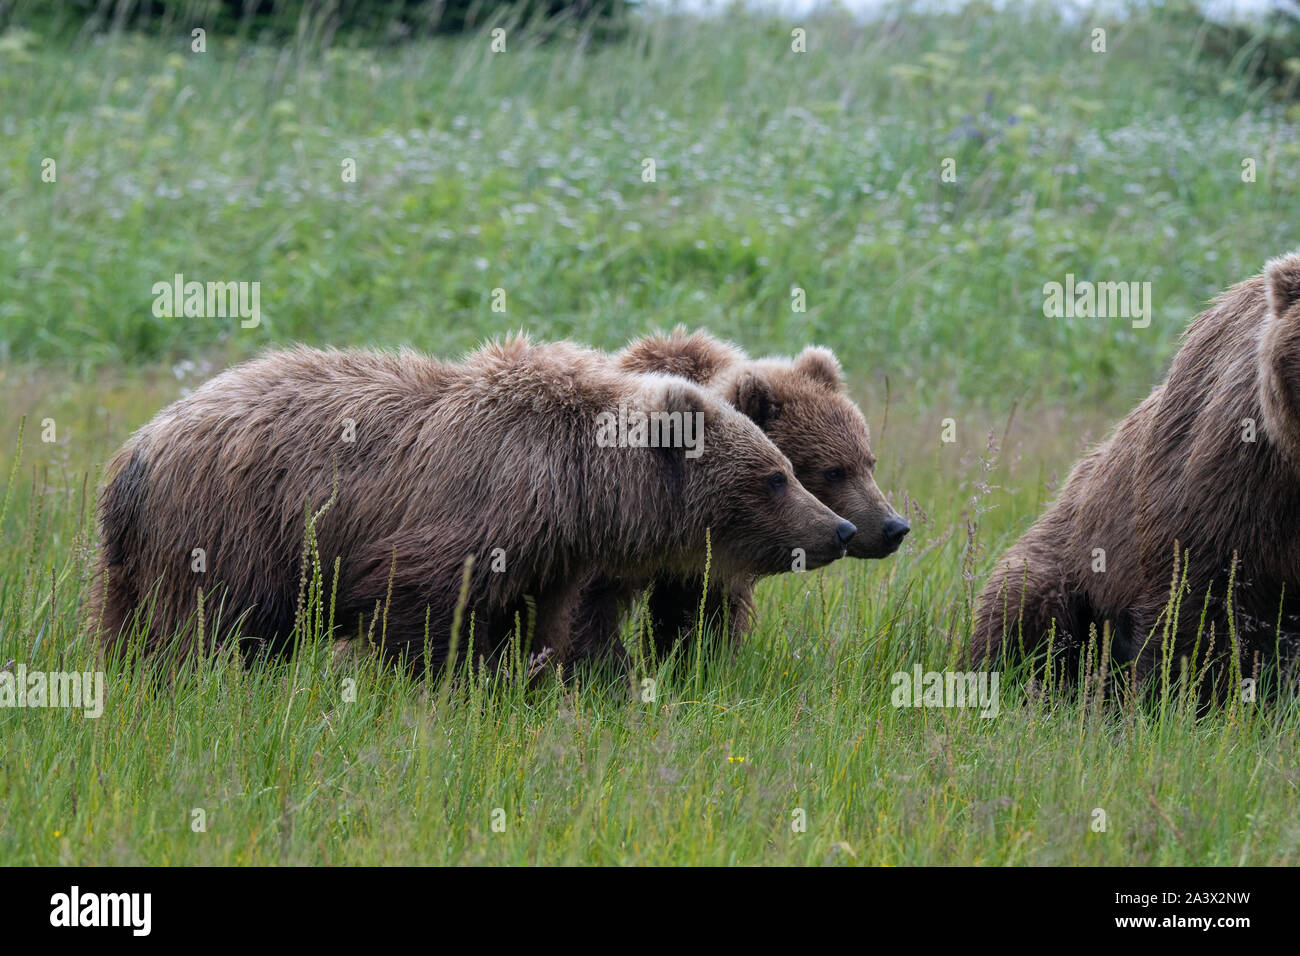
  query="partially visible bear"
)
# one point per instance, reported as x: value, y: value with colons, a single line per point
x: 1208, y: 464
x: 802, y: 405
x: 435, y: 463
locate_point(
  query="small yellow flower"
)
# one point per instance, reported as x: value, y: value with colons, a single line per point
x: 735, y: 760
x: 58, y: 833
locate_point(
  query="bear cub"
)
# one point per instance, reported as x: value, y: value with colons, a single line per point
x: 416, y: 466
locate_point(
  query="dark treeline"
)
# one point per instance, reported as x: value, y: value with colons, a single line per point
x: 389, y: 20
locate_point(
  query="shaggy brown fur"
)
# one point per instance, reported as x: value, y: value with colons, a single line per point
x: 1177, y: 474
x: 449, y: 461
x: 802, y: 405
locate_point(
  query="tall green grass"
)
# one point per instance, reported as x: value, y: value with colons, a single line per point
x: 789, y: 751
x: 523, y: 171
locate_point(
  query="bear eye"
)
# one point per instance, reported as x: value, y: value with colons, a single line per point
x: 834, y: 474
x: 776, y: 481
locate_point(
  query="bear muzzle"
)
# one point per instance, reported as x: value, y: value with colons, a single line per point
x: 880, y: 539
x: 893, y: 531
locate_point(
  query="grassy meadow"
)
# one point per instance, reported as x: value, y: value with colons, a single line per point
x: 524, y: 171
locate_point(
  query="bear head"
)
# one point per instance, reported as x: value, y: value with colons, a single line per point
x: 1278, y: 381
x: 803, y: 407
x: 740, y: 486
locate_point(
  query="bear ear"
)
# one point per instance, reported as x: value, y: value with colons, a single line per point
x: 686, y: 399
x: 696, y: 356
x: 683, y: 397
x: 820, y: 365
x: 699, y: 356
x: 754, y: 397
x: 1282, y: 276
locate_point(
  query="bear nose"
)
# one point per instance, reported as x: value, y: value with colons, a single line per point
x: 845, y: 530
x: 894, y: 531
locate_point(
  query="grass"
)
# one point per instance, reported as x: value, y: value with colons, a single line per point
x: 523, y: 171
x: 344, y: 761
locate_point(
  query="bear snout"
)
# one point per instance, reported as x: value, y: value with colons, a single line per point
x: 846, y: 530
x: 893, y: 532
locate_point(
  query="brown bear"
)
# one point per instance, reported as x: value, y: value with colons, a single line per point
x: 510, y: 457
x: 1202, y: 476
x: 802, y: 405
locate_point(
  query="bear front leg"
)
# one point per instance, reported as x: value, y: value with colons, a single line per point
x: 596, y: 646
x: 550, y: 644
x: 1025, y: 594
x: 674, y: 610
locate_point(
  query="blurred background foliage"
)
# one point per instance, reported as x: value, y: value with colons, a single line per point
x: 775, y: 171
